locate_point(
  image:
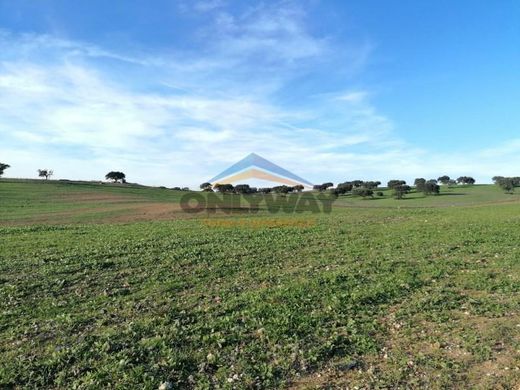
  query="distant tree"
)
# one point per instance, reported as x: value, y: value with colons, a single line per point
x: 283, y: 189
x: 371, y: 184
x: 242, y: 189
x: 176, y: 188
x: 401, y: 190
x: 298, y: 188
x: 430, y: 188
x: 466, y: 180
x: 444, y: 179
x: 362, y: 191
x: 380, y: 193
x: 265, y: 190
x: 327, y: 185
x: 208, y: 187
x: 419, y: 184
x: 357, y: 183
x: 224, y: 188
x: 322, y: 187
x: 116, y: 176
x: 46, y: 173
x: 3, y: 167
x: 452, y: 183
x: 343, y: 188
x: 508, y: 184
x: 497, y: 179
x: 185, y: 189
x: 433, y: 181
x: 394, y: 183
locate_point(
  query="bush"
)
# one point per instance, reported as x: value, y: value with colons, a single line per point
x: 361, y: 191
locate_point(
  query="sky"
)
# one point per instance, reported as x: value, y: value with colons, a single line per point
x: 174, y: 92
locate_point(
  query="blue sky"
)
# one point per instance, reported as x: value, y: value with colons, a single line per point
x: 173, y: 92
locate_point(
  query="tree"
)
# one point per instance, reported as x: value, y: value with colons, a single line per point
x: 431, y: 188
x: 242, y: 189
x: 298, y: 188
x: 283, y: 189
x: 444, y: 179
x: 508, y: 184
x: 371, y: 184
x: 265, y: 190
x: 466, y: 180
x: 3, y: 167
x: 394, y: 183
x: 224, y: 188
x: 362, y: 191
x: 496, y: 179
x: 116, y: 176
x: 46, y: 173
x: 452, y: 183
x: 419, y: 184
x: 327, y: 185
x: 401, y: 190
x: 322, y: 187
x: 206, y: 187
x: 343, y: 188
x: 357, y: 183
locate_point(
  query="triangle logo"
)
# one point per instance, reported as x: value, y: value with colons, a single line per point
x: 254, y: 166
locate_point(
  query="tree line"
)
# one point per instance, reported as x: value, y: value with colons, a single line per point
x: 247, y: 189
x: 360, y: 188
x: 355, y: 187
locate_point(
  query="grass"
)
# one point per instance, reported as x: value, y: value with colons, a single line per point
x: 377, y: 294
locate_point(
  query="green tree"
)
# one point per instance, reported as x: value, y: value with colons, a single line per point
x: 206, y: 187
x: 444, y: 179
x: 3, y: 167
x: 401, y: 190
x: 394, y: 183
x: 116, y: 176
x: 362, y: 191
x: 466, y: 180
x: 242, y: 189
x: 46, y: 173
x: 430, y: 188
x: 419, y: 184
x: 508, y: 184
x: 343, y: 188
x: 283, y: 189
x: 224, y: 188
x: 371, y: 184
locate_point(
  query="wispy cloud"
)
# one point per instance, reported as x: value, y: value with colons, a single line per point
x: 177, y: 118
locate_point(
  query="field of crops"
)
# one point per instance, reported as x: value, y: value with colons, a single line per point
x: 114, y: 287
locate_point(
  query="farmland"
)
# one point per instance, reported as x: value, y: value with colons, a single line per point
x: 112, y: 286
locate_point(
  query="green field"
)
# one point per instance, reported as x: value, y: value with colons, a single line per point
x: 112, y: 286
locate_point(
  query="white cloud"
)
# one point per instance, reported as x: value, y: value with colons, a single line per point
x: 180, y: 122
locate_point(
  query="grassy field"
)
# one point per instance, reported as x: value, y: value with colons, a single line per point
x: 109, y: 286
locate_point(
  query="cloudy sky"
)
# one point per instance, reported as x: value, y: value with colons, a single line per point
x: 173, y: 92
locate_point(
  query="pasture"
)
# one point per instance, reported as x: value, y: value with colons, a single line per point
x: 112, y: 286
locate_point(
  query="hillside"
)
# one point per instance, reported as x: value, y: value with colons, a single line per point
x: 37, y: 201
